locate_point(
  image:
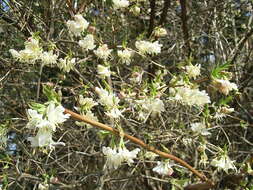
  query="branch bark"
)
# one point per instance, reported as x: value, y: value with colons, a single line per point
x: 137, y: 141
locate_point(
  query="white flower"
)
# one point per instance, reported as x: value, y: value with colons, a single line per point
x: 87, y: 43
x: 55, y: 115
x: 223, y: 163
x: 114, y: 159
x: 31, y: 53
x: 125, y: 56
x: 193, y: 70
x: 113, y: 113
x: 200, y: 128
x: 189, y: 96
x: 160, y: 32
x: 78, y: 25
x: 163, y: 168
x: 135, y: 10
x: 103, y: 52
x: 222, y: 112
x: 43, y: 138
x: 153, y: 105
x: 36, y: 120
x: 117, y: 4
x: 48, y: 58
x: 87, y: 102
x: 146, y: 47
x: 103, y: 71
x: 127, y: 155
x: 107, y: 98
x: 224, y: 86
x: 66, y: 64
x: 14, y: 53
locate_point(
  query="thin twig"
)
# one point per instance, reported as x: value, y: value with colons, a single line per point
x: 184, y: 26
x: 165, y: 12
x: 137, y: 141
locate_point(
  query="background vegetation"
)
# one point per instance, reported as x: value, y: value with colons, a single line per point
x: 210, y: 33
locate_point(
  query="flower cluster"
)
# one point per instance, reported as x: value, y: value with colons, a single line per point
x: 85, y: 106
x: 118, y: 4
x: 78, y: 25
x: 146, y: 47
x: 200, y: 128
x: 66, y: 64
x: 103, y: 71
x: 103, y: 52
x: 110, y: 101
x: 153, y: 106
x: 224, y: 86
x: 163, y: 168
x: 115, y: 157
x: 224, y: 163
x: 125, y: 56
x: 31, y: 53
x: 87, y: 43
x: 193, y: 70
x: 46, y: 124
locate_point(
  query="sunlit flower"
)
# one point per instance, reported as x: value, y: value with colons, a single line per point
x: 125, y: 56
x: 87, y: 43
x: 31, y: 53
x: 223, y: 112
x: 146, y: 47
x: 48, y: 58
x: 200, y: 128
x: 223, y: 163
x: 135, y: 10
x: 127, y: 155
x: 46, y: 124
x: 88, y: 103
x: 36, y: 120
x: 224, y: 86
x: 106, y: 98
x: 103, y: 71
x: 117, y: 4
x: 189, y: 96
x: 113, y: 113
x: 160, y: 32
x: 55, y: 115
x: 43, y: 138
x: 103, y: 52
x: 193, y: 71
x: 78, y: 25
x: 66, y: 64
x: 114, y: 159
x: 163, y: 168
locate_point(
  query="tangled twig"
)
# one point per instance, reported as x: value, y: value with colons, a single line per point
x: 137, y: 141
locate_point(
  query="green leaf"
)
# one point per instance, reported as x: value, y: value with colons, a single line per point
x: 51, y: 95
x: 217, y: 71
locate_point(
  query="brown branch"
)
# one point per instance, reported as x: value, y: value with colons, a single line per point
x: 241, y: 45
x: 137, y: 141
x: 165, y: 12
x: 184, y: 26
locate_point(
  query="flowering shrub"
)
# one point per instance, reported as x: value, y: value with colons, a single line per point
x: 141, y: 82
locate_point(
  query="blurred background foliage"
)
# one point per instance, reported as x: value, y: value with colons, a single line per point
x: 208, y: 32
